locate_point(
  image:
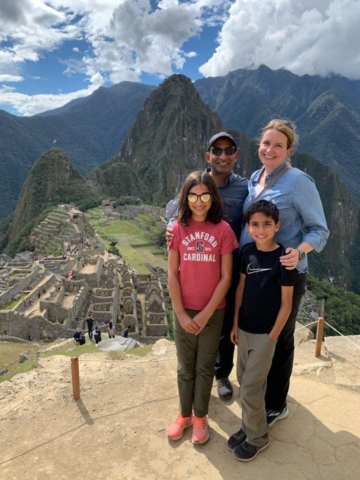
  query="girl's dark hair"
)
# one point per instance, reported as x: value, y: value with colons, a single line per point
x: 263, y: 206
x: 215, y: 213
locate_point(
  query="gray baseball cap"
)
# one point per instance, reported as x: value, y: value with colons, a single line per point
x: 221, y: 135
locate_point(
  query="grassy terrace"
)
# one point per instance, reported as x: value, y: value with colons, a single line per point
x: 127, y: 233
x: 10, y: 305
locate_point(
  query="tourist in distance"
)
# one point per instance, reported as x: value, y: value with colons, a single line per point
x: 79, y: 336
x: 263, y: 301
x: 303, y: 228
x: 126, y: 331
x: 198, y: 311
x: 111, y: 330
x: 97, y: 336
x: 221, y: 155
x: 90, y: 324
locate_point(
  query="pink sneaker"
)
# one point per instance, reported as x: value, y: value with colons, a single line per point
x: 200, y: 430
x: 176, y: 429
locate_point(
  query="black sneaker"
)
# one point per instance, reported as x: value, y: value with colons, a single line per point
x: 272, y: 416
x: 236, y: 439
x: 225, y: 389
x: 245, y: 452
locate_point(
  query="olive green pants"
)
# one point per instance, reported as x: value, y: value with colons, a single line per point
x: 255, y: 353
x: 196, y: 360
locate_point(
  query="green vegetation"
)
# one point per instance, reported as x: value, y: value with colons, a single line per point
x: 89, y: 130
x: 123, y: 235
x: 127, y: 200
x: 9, y: 355
x: 72, y: 350
x: 10, y: 305
x: 52, y: 180
x: 342, y: 309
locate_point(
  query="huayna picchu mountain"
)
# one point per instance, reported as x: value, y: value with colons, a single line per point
x: 168, y: 137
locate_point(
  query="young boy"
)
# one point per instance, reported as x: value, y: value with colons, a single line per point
x: 263, y: 303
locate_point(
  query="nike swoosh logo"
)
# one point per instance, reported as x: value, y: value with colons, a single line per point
x: 250, y: 270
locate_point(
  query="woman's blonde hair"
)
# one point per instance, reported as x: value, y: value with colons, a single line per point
x: 284, y: 126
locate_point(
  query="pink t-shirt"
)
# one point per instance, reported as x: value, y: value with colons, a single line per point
x: 201, y: 245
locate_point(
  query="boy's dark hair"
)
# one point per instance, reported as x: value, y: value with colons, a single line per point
x: 265, y: 207
x: 215, y: 213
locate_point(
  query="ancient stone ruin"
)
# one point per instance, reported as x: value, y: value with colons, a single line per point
x: 46, y: 297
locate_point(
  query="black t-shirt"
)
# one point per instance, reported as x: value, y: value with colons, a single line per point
x: 89, y: 321
x: 262, y: 292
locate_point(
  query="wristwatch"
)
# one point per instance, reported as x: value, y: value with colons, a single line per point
x: 301, y: 253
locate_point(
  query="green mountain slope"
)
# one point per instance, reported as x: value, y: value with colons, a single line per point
x: 169, y: 137
x: 326, y: 111
x: 52, y: 180
x: 90, y: 130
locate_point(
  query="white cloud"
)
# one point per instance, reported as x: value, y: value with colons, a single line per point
x: 122, y: 39
x: 32, y: 104
x: 317, y: 37
x: 10, y: 78
x: 125, y: 37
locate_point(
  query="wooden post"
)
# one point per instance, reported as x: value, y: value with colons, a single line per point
x: 319, y: 336
x: 75, y: 377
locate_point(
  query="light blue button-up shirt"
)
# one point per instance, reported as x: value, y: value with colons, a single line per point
x: 301, y: 212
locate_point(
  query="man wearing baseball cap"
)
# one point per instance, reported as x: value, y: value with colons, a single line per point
x: 221, y: 155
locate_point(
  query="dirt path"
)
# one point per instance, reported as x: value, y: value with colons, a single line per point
x: 117, y: 429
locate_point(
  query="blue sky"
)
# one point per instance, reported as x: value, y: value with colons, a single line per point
x: 52, y: 51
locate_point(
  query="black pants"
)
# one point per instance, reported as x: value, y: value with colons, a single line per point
x: 225, y: 358
x: 278, y: 380
x: 90, y: 330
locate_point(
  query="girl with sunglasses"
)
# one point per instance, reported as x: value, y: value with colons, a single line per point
x: 199, y: 276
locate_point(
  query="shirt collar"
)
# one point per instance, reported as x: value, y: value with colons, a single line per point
x: 227, y: 182
x: 272, y: 174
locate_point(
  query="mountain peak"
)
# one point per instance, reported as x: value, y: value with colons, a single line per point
x: 169, y: 136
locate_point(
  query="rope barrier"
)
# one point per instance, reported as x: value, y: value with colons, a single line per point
x: 305, y: 326
x: 337, y: 331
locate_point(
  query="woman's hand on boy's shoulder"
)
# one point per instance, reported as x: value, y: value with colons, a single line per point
x: 290, y: 259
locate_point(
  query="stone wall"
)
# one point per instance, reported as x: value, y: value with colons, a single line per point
x: 34, y: 294
x: 59, y: 264
x: 20, y: 286
x: 92, y: 279
x: 92, y: 252
x: 33, y: 328
x: 58, y: 313
x: 157, y: 330
x: 155, y: 318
